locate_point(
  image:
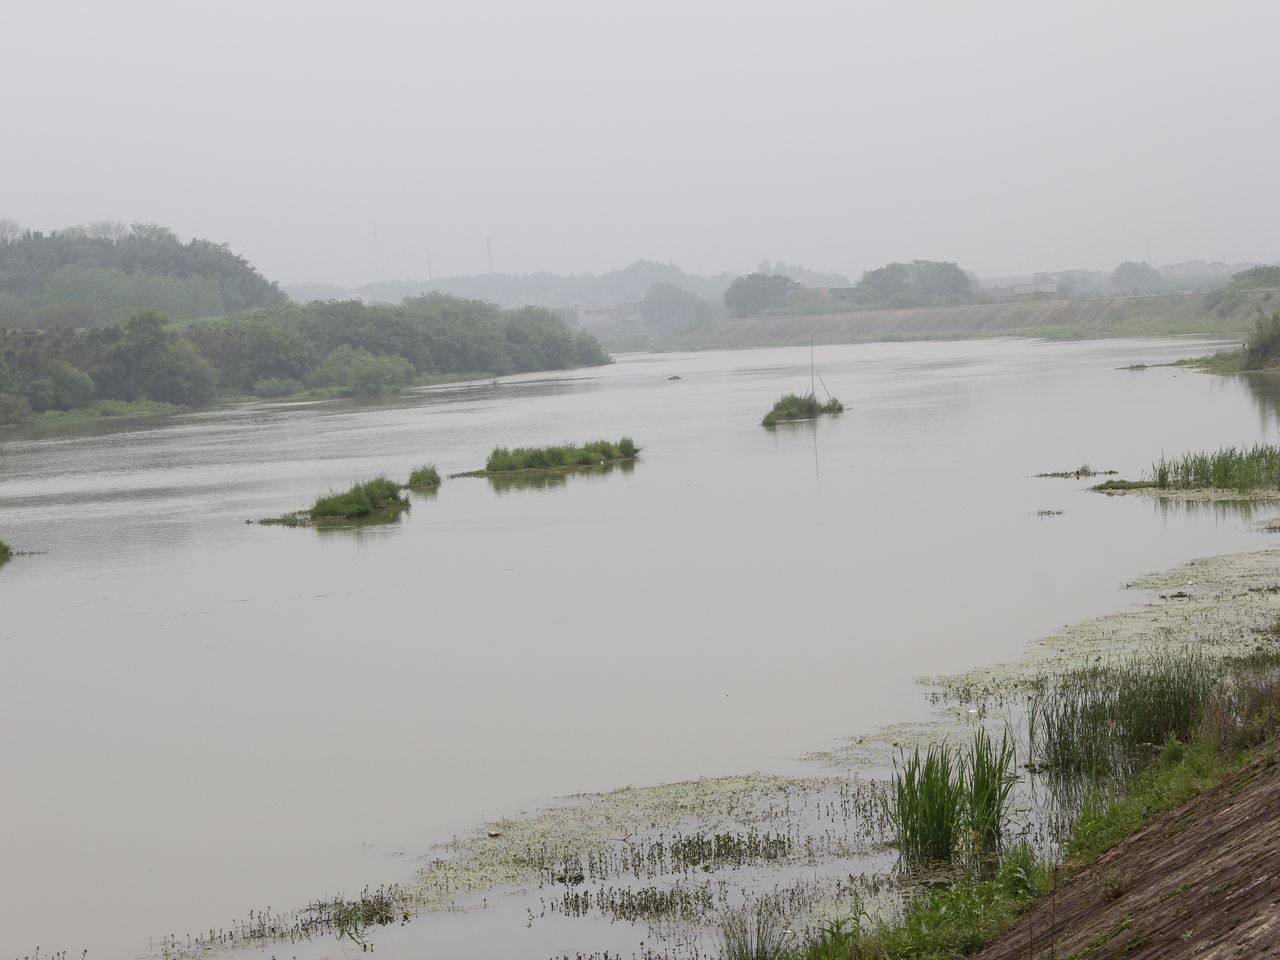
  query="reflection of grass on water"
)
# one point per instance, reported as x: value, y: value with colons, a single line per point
x: 792, y: 406
x: 553, y: 479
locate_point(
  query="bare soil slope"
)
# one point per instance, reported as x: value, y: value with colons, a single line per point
x: 1203, y: 881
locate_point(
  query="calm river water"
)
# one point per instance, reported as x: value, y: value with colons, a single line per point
x: 200, y: 717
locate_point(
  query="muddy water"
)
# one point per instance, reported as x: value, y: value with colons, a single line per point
x: 200, y: 717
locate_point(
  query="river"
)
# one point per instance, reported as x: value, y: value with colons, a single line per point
x: 200, y: 717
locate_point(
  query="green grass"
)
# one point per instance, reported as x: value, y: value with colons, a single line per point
x: 1230, y: 712
x: 6, y: 552
x: 101, y: 409
x: 792, y: 406
x: 927, y: 803
x: 425, y: 476
x: 943, y: 798
x: 1093, y: 721
x: 1243, y: 470
x: 361, y: 500
x: 503, y: 460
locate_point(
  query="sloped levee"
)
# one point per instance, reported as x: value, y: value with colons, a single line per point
x: 1202, y: 881
x: 1116, y: 316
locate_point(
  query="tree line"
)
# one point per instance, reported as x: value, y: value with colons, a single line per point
x: 102, y: 274
x: 348, y: 346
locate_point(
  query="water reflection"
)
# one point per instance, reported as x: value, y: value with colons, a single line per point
x: 1220, y: 509
x: 1265, y: 389
x: 556, y: 479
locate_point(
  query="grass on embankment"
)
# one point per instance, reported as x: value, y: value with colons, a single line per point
x: 1243, y: 470
x: 1227, y: 715
x: 793, y: 406
x: 364, y: 501
x: 504, y: 461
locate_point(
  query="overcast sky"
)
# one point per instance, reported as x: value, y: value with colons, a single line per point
x: 579, y: 136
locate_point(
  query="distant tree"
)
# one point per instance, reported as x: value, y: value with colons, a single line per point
x: 1132, y: 277
x: 9, y: 230
x: 756, y: 293
x: 917, y: 283
x: 1257, y: 277
x: 671, y: 308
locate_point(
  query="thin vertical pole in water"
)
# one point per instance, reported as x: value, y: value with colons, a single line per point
x: 811, y: 393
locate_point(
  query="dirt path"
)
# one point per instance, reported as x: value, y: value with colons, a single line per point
x: 1203, y: 881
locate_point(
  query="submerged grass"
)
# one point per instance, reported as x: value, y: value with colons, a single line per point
x: 793, y: 406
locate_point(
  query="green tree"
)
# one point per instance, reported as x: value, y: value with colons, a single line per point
x: 1134, y: 278
x: 756, y: 293
x: 670, y: 308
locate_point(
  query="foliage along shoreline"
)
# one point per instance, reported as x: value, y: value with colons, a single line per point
x: 369, y: 500
x: 348, y: 348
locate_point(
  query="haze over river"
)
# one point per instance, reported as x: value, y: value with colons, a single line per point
x: 200, y: 717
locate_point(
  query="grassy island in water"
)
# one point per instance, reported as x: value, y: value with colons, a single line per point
x: 503, y: 461
x: 796, y: 407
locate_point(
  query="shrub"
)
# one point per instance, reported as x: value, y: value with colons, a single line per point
x: 425, y: 476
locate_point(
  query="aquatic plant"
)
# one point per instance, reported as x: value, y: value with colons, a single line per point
x: 927, y: 803
x: 360, y: 501
x: 1255, y: 468
x: 6, y: 552
x: 425, y: 476
x: 503, y: 460
x: 989, y: 778
x: 754, y: 931
x: 793, y: 406
x: 1093, y: 721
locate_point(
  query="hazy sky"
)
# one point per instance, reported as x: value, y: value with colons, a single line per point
x: 1008, y: 136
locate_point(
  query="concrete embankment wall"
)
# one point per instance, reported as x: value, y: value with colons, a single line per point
x: 1114, y: 316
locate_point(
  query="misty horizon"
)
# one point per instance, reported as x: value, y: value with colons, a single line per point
x: 576, y: 139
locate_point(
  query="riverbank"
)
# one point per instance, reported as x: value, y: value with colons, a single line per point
x: 1166, y: 315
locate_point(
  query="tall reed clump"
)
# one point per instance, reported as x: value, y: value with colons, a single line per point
x: 928, y: 798
x: 944, y: 796
x: 425, y: 476
x: 1254, y: 468
x: 1093, y: 721
x: 793, y: 406
x: 502, y: 460
x: 360, y: 501
x: 6, y: 552
x: 753, y: 932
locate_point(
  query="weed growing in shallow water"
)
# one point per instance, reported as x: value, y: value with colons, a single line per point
x: 425, y: 476
x: 928, y: 798
x: 594, y: 453
x: 360, y: 501
x: 792, y: 406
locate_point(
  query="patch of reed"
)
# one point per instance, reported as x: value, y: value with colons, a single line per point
x: 793, y: 406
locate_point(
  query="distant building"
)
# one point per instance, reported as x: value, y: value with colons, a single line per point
x: 609, y: 314
x: 1022, y: 289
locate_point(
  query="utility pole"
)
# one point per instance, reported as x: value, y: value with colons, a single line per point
x: 489, y: 242
x: 430, y: 277
x: 376, y: 276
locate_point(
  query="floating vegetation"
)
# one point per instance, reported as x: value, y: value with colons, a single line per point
x: 1244, y: 470
x: 503, y: 461
x: 793, y: 406
x: 425, y: 476
x: 1047, y: 513
x: 1081, y: 472
x: 352, y: 919
x: 374, y: 499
